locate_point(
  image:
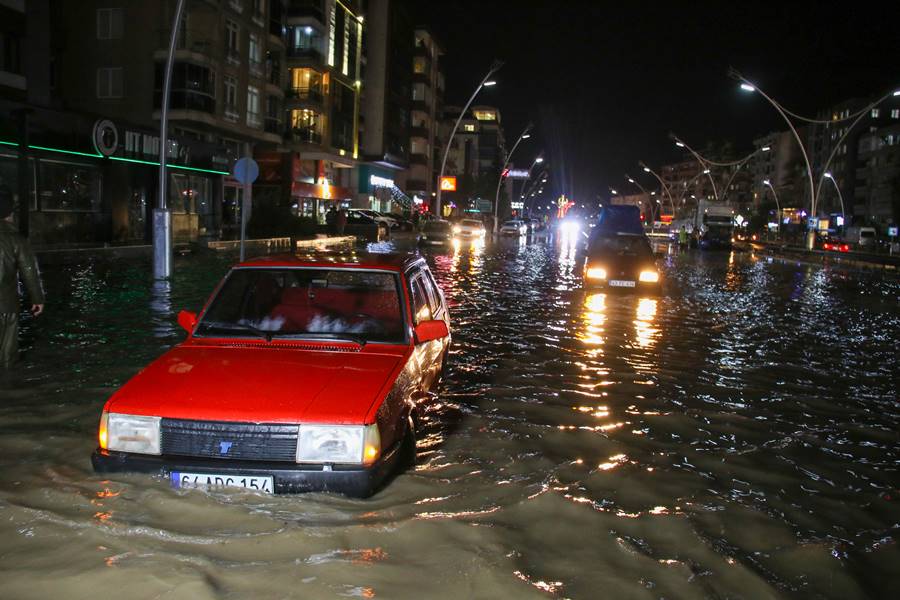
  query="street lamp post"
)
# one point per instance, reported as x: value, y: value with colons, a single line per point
x: 486, y: 82
x: 665, y: 188
x: 524, y: 136
x: 768, y: 183
x: 162, y: 218
x: 704, y: 164
x: 828, y: 175
x: 649, y: 198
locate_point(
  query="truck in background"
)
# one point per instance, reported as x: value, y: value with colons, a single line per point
x: 715, y: 223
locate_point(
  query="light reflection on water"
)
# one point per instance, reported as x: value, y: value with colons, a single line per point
x: 734, y: 436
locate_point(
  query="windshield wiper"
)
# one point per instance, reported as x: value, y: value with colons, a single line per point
x: 340, y: 337
x: 266, y: 335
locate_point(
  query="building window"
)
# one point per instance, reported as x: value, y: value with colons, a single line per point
x: 10, y: 58
x: 256, y: 63
x: 109, y: 23
x: 232, y: 41
x: 331, y: 28
x: 306, y: 126
x: 875, y: 113
x: 258, y: 10
x: 485, y: 115
x: 254, y: 115
x: 419, y: 65
x: 237, y: 5
x: 306, y: 84
x: 109, y: 82
x: 468, y: 127
x: 231, y: 108
x: 68, y: 187
x: 895, y: 113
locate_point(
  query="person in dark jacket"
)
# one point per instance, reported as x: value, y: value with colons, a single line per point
x: 16, y: 259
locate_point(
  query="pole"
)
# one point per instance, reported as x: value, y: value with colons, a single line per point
x: 162, y: 217
x: 246, y: 204
x: 459, y: 119
x: 523, y: 135
x: 777, y: 208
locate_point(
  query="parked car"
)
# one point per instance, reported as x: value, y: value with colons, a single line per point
x: 621, y: 260
x: 469, y: 229
x: 403, y: 224
x: 436, y: 232
x: 299, y: 374
x: 834, y: 245
x: 375, y: 215
x: 513, y: 227
x: 362, y: 225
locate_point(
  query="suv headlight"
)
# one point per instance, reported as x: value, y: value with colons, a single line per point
x: 351, y: 444
x: 130, y: 433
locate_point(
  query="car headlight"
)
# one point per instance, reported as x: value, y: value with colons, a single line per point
x: 457, y: 229
x: 596, y: 273
x: 351, y: 444
x: 649, y: 276
x: 129, y: 433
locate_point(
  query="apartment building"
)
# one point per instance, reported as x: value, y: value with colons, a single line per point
x: 477, y: 152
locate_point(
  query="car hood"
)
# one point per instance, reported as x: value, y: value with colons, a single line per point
x: 259, y: 384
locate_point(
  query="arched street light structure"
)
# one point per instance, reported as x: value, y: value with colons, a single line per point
x: 486, y: 82
x: 768, y: 183
x: 541, y: 178
x: 650, y: 199
x: 828, y: 175
x: 707, y: 163
x: 704, y: 164
x: 526, y: 133
x: 749, y: 86
x: 663, y: 185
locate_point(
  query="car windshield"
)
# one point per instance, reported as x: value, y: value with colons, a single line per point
x: 470, y: 223
x: 437, y: 226
x: 622, y: 245
x: 307, y: 303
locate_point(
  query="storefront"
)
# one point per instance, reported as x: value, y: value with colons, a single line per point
x: 377, y: 190
x: 92, y: 180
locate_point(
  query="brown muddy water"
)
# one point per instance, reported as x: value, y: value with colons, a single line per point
x: 735, y: 436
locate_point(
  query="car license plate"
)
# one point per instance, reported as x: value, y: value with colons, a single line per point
x: 213, y: 480
x: 621, y: 283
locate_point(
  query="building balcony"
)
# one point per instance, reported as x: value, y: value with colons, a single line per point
x: 300, y: 135
x: 418, y: 159
x: 254, y: 120
x: 420, y: 132
x: 306, y: 9
x: 233, y: 56
x: 273, y: 125
x: 257, y: 68
x: 312, y: 55
x: 305, y: 96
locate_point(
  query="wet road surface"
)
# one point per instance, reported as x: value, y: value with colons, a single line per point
x: 734, y: 436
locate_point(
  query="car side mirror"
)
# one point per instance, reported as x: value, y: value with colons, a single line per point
x: 187, y: 320
x: 431, y: 330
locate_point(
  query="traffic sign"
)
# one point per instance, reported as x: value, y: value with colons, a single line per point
x: 245, y: 170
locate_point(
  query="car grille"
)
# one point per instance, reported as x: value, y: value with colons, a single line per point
x: 239, y: 441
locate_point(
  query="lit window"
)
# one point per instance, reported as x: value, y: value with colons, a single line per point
x: 419, y: 65
x: 468, y: 127
x: 109, y: 23
x: 485, y: 115
x: 254, y: 117
x: 895, y: 113
x: 875, y: 113
x: 109, y: 82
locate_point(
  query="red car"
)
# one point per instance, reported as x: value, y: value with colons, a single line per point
x: 834, y: 245
x: 300, y: 374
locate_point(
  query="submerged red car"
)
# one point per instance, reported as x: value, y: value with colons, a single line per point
x: 300, y: 374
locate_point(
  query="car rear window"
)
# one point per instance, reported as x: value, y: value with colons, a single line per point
x: 866, y: 233
x: 358, y: 304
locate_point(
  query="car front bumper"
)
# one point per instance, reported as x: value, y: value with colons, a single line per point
x: 288, y: 478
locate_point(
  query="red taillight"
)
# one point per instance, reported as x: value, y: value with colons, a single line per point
x: 827, y: 246
x: 845, y: 248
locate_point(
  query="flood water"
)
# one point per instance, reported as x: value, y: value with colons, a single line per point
x: 735, y: 436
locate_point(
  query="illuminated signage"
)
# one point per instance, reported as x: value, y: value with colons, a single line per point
x: 517, y: 173
x: 517, y: 205
x: 383, y: 182
x: 448, y: 184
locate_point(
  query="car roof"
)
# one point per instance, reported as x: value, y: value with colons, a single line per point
x: 349, y: 259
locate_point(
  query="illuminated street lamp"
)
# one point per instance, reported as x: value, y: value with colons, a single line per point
x: 828, y: 175
x: 526, y: 133
x: 486, y: 82
x: 768, y: 183
x: 665, y: 188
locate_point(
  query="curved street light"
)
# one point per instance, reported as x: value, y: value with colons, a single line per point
x: 524, y: 136
x: 828, y: 175
x: 649, y: 198
x: 663, y: 185
x: 704, y: 164
x: 486, y: 82
x: 768, y: 183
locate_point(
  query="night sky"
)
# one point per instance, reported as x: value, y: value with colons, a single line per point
x: 604, y: 82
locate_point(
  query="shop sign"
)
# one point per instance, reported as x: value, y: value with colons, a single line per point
x: 448, y: 184
x: 517, y: 174
x: 380, y: 182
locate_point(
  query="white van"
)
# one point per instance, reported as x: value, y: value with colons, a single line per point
x: 861, y: 237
